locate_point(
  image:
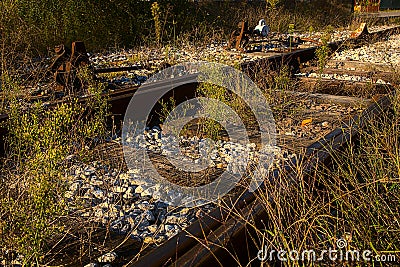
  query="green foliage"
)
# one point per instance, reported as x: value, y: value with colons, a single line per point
x: 35, y: 26
x: 283, y: 81
x: 166, y: 108
x: 156, y: 13
x: 356, y: 197
x: 39, y: 25
x: 31, y: 198
x: 368, y: 173
x: 272, y: 3
x: 210, y: 127
x: 213, y: 128
x: 322, y: 51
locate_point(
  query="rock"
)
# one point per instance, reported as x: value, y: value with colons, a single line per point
x: 146, y: 193
x: 124, y: 176
x: 169, y: 227
x: 148, y: 215
x: 98, y: 194
x: 139, y: 189
x: 199, y: 213
x: 251, y: 145
x: 160, y: 238
x: 69, y: 194
x: 220, y: 165
x: 172, y: 219
x: 136, y: 180
x: 171, y: 233
x: 89, y: 171
x: 143, y: 225
x: 99, y: 213
x: 129, y: 195
x: 149, y: 240
x: 108, y: 257
x: 88, y: 195
x: 74, y: 187
x: 95, y: 181
x: 125, y: 229
x: 290, y: 133
x: 119, y: 189
x: 145, y: 206
x: 161, y: 205
x: 152, y: 228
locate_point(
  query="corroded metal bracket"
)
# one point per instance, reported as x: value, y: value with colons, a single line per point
x: 239, y: 38
x: 66, y: 64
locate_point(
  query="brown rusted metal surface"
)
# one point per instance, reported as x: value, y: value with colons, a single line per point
x: 239, y: 38
x: 361, y: 30
x: 65, y: 66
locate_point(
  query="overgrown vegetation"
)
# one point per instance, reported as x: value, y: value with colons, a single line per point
x: 323, y: 50
x: 355, y: 199
x: 39, y: 25
x: 32, y: 203
x: 359, y: 199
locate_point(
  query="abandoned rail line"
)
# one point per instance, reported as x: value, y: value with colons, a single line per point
x: 226, y: 234
x: 223, y: 234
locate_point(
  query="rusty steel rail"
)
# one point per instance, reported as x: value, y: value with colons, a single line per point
x: 118, y: 69
x: 119, y: 99
x: 222, y: 229
x: 219, y: 226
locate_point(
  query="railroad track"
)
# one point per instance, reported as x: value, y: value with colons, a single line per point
x: 224, y: 235
x: 204, y: 240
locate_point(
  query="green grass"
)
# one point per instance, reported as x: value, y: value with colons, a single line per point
x: 356, y: 198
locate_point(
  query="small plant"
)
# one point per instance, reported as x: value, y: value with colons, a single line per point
x: 212, y: 128
x: 311, y: 30
x: 272, y: 4
x: 282, y: 81
x: 290, y: 32
x: 166, y: 108
x: 322, y: 52
x: 156, y: 13
x: 169, y: 55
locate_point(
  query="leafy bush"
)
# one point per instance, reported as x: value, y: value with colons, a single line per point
x: 32, y: 189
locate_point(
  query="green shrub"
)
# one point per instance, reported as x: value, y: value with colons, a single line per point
x: 32, y: 188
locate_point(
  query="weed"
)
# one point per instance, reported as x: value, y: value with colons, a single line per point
x: 156, y: 13
x: 272, y: 4
x: 355, y: 198
x: 37, y: 25
x: 322, y: 52
x: 166, y: 108
x: 32, y: 190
